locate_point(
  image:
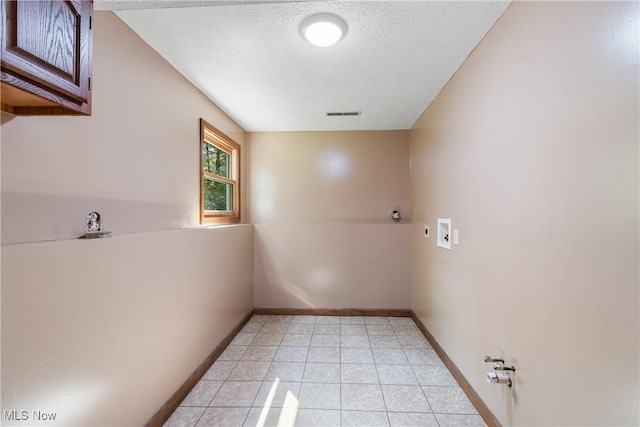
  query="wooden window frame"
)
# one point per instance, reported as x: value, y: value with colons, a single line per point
x: 211, y: 135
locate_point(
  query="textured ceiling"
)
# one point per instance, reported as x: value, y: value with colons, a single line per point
x: 249, y: 58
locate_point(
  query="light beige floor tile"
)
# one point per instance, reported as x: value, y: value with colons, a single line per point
x: 300, y: 328
x: 291, y: 354
x: 356, y: 355
x: 243, y: 338
x: 414, y: 342
x: 317, y: 418
x: 184, y: 417
x: 303, y: 319
x: 233, y: 352
x: 267, y: 339
x: 259, y: 353
x: 321, y: 329
x: 351, y: 320
x: 347, y: 329
x: 276, y: 318
x: 384, y: 341
x: 357, y: 341
x: 434, y: 375
x: 325, y: 341
x: 286, y: 371
x: 422, y: 357
x: 406, y: 330
x: 220, y: 370
x: 456, y: 420
x: 380, y: 329
x: 274, y: 328
x: 202, y: 394
x: 324, y: 354
x: 412, y: 419
x: 364, y: 419
x: 405, y: 398
x: 296, y: 340
x: 376, y: 320
x: 251, y: 327
x: 320, y: 396
x: 359, y: 373
x: 390, y: 356
x: 322, y: 373
x: 362, y: 397
x: 327, y: 320
x: 223, y: 417
x: 249, y: 371
x: 402, y: 321
x: 448, y: 400
x: 259, y: 318
x: 396, y: 374
x: 263, y: 417
x: 278, y: 394
x: 271, y: 417
x: 236, y: 393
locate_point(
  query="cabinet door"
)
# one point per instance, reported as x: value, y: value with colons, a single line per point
x: 48, y: 43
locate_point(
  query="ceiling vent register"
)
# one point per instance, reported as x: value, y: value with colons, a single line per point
x: 343, y: 113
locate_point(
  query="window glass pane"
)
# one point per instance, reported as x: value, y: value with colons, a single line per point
x: 215, y: 160
x: 218, y: 196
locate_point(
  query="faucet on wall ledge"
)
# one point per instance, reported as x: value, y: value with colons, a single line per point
x: 93, y: 221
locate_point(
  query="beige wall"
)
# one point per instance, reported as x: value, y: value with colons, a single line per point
x: 135, y: 160
x: 104, y: 331
x: 532, y: 150
x: 321, y: 202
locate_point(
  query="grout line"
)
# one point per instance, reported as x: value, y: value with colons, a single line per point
x: 200, y: 417
x: 248, y: 412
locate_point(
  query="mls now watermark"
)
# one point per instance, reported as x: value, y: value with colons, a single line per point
x: 29, y: 416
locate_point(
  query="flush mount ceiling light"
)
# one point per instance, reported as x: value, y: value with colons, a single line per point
x: 323, y: 29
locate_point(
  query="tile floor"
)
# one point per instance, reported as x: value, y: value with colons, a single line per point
x: 327, y: 371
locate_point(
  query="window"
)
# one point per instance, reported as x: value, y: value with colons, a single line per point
x: 219, y: 176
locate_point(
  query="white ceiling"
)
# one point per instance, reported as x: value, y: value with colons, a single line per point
x: 249, y: 58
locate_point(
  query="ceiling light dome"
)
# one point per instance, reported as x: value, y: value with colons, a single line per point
x: 323, y: 29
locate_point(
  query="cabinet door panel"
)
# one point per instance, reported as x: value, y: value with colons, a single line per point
x: 53, y: 44
x: 43, y: 42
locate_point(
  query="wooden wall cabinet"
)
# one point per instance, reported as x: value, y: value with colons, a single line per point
x: 46, y: 57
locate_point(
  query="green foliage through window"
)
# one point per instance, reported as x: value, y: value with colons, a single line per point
x: 215, y: 160
x: 218, y: 196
